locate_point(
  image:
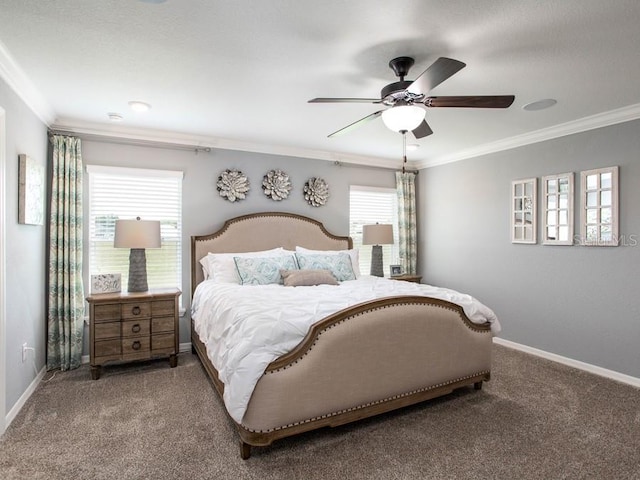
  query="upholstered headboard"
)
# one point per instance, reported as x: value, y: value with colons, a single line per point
x: 263, y: 231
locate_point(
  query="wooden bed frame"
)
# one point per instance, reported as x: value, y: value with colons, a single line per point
x: 369, y: 359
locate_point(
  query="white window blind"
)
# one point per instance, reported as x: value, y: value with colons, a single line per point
x: 126, y: 193
x: 370, y: 205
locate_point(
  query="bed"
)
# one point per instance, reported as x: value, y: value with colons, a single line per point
x: 389, y: 351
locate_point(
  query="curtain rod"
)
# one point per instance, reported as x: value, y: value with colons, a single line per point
x: 372, y: 167
x: 131, y: 141
x: 179, y: 146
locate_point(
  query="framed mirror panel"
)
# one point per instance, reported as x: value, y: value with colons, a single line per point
x: 523, y: 210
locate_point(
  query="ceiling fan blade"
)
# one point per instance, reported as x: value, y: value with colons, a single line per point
x: 433, y: 76
x: 345, y: 100
x: 422, y: 130
x: 356, y: 124
x: 478, y: 101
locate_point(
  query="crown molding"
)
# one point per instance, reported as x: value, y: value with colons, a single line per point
x: 166, y: 139
x: 18, y: 81
x: 605, y: 119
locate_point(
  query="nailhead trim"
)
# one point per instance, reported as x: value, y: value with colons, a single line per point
x: 359, y: 407
x: 360, y: 314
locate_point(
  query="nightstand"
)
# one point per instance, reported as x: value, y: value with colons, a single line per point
x: 133, y: 326
x: 407, y: 278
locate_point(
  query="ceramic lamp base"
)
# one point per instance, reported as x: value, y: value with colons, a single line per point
x: 376, y: 261
x: 137, y: 271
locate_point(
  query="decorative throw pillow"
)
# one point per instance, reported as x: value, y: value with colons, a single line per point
x: 339, y: 265
x: 307, y: 278
x: 221, y: 268
x: 354, y: 254
x: 263, y: 270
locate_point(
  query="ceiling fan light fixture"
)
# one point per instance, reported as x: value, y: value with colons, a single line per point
x: 403, y: 118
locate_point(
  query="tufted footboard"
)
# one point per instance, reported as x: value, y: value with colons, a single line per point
x: 369, y: 359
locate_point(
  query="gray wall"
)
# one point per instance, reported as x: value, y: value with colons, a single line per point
x: 25, y: 253
x: 204, y: 211
x: 578, y: 302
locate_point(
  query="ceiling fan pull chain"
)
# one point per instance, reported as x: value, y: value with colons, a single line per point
x: 404, y: 150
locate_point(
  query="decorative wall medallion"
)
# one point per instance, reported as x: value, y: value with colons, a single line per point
x: 233, y: 185
x: 276, y: 185
x: 316, y: 192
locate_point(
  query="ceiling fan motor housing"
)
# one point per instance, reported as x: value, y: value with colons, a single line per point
x: 397, y: 92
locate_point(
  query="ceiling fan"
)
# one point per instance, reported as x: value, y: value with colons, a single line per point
x: 404, y: 96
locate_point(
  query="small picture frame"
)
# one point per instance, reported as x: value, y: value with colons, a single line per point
x: 31, y: 180
x: 396, y: 270
x: 106, y: 283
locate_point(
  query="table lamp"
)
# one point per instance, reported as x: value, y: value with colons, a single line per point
x: 377, y: 235
x: 137, y: 235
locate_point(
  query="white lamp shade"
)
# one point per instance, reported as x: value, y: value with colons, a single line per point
x: 137, y: 234
x: 403, y: 118
x: 378, y: 234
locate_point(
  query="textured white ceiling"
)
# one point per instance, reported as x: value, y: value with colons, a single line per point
x: 238, y: 73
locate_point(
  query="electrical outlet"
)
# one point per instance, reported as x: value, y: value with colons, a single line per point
x: 24, y: 352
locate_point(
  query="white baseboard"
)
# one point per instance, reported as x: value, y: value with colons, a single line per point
x: 587, y: 367
x: 11, y: 415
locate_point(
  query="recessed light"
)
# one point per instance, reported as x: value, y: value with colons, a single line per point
x: 115, y: 117
x: 412, y: 147
x: 137, y: 106
x: 152, y: 1
x: 540, y: 104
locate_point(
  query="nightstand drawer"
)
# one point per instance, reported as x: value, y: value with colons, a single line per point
x: 163, y: 308
x: 135, y: 348
x: 108, y: 348
x: 138, y: 327
x: 136, y: 310
x: 106, y: 330
x: 162, y: 324
x: 107, y: 312
x: 165, y: 343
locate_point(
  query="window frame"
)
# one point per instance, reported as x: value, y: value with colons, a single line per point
x: 391, y: 253
x: 130, y: 174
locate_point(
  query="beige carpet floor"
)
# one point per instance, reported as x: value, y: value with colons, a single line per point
x: 534, y: 420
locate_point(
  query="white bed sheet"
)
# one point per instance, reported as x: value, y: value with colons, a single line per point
x: 246, y: 327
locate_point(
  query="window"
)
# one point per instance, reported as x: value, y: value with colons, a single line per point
x: 369, y: 205
x: 127, y: 193
x: 558, y: 209
x: 599, y: 207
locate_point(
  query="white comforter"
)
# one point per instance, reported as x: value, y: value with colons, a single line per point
x: 246, y: 327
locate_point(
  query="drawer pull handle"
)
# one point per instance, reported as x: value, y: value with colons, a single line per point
x: 136, y: 328
x: 136, y: 345
x: 136, y: 310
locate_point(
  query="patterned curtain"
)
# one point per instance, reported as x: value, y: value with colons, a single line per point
x: 66, y: 293
x: 408, y: 234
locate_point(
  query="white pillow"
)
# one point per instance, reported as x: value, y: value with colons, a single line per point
x: 353, y: 253
x: 221, y: 268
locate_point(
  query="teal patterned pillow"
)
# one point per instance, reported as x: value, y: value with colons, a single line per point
x: 263, y: 270
x: 339, y: 265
